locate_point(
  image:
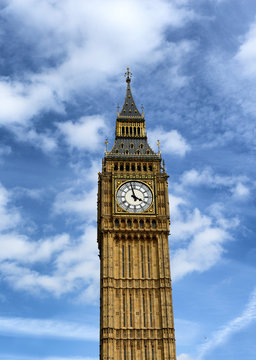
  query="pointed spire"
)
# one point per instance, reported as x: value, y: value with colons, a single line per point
x: 129, y: 108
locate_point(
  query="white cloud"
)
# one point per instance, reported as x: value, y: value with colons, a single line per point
x: 207, y: 177
x: 201, y: 238
x: 83, y: 203
x: 240, y: 191
x: 202, y: 253
x: 75, y: 264
x: 92, y: 41
x: 47, y: 328
x: 86, y: 134
x: 184, y: 357
x: 44, y: 141
x: 80, y: 198
x: 9, y: 216
x: 171, y: 141
x: 237, y: 185
x: 17, y: 247
x: 246, y: 54
x: 185, y: 222
x: 21, y: 101
x: 222, y: 335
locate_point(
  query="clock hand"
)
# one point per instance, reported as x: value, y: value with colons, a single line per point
x: 133, y: 193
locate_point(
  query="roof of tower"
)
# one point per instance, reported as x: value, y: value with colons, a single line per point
x: 129, y: 108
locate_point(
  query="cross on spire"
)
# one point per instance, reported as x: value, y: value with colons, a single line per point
x: 128, y: 75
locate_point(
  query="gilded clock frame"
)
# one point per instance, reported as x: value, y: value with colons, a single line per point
x: 119, y: 181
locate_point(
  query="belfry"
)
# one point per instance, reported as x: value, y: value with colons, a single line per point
x: 136, y: 312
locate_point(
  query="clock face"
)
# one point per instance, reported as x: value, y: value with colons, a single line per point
x: 134, y: 196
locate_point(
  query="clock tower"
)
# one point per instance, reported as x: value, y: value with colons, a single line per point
x: 136, y: 313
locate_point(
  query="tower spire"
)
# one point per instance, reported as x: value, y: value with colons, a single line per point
x: 129, y: 109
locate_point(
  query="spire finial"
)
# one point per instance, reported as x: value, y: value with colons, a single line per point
x: 158, y: 144
x: 128, y: 75
x: 106, y: 143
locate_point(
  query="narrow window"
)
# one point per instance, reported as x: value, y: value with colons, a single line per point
x: 124, y: 352
x: 123, y: 309
x: 122, y: 167
x: 142, y: 262
x: 127, y: 130
x: 141, y: 224
x: 144, y: 311
x: 130, y: 130
x: 135, y: 131
x: 150, y: 167
x: 122, y: 145
x: 141, y: 146
x: 139, y: 167
x: 133, y: 167
x: 129, y: 223
x: 117, y: 223
x: 129, y: 255
x: 138, y: 131
x: 146, y: 353
x: 144, y: 167
x: 148, y: 261
x: 131, y: 352
x: 153, y: 358
x: 126, y: 151
x: 130, y: 310
x: 154, y: 224
x: 123, y: 259
x: 116, y: 167
x: 122, y: 130
x: 150, y: 310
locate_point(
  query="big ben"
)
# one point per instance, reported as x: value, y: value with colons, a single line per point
x: 136, y: 312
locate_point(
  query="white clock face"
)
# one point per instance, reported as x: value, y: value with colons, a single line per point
x: 134, y: 196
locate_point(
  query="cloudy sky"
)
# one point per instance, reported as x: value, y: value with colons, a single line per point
x: 62, y: 75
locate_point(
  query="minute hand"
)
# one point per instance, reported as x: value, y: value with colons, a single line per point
x: 133, y: 193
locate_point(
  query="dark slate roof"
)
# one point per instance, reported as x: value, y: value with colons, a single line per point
x: 127, y: 147
x: 129, y: 108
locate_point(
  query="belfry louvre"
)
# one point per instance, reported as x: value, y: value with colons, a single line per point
x: 136, y: 312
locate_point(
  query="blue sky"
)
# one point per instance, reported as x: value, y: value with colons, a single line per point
x: 62, y: 75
